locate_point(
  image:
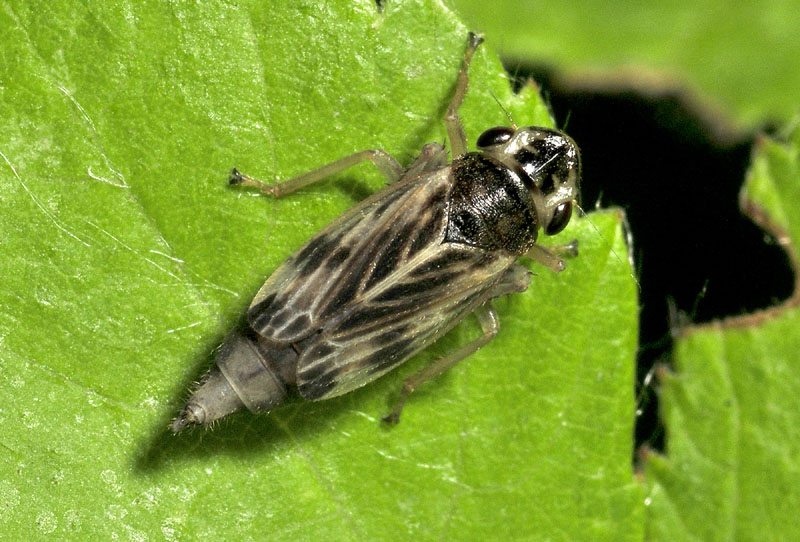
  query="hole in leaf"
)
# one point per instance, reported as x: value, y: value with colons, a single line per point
x: 677, y: 171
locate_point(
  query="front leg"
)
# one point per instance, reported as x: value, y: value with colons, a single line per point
x: 551, y: 257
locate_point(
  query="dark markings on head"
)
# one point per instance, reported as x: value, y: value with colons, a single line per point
x: 548, y: 184
x: 526, y: 160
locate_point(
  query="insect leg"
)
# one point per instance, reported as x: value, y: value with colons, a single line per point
x: 516, y: 279
x: 386, y: 164
x: 490, y: 326
x: 568, y: 250
x: 551, y: 257
x: 455, y: 130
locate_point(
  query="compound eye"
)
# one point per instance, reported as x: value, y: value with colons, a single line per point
x: 560, y: 219
x: 495, y: 136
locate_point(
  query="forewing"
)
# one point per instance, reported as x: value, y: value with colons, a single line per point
x: 411, y: 308
x: 348, y: 258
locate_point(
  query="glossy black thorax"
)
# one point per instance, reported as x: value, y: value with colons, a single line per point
x: 490, y: 206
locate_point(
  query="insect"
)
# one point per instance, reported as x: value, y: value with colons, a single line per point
x: 397, y: 271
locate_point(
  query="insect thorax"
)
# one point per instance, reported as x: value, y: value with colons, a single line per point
x: 490, y: 207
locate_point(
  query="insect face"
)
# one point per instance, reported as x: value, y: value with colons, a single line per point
x: 547, y: 161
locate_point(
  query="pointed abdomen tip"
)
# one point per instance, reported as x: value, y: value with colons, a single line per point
x: 190, y: 415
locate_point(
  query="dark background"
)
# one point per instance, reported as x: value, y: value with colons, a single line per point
x: 677, y: 171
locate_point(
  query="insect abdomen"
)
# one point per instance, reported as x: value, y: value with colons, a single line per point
x: 247, y: 374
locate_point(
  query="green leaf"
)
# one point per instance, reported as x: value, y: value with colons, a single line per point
x: 732, y: 408
x: 740, y: 56
x: 126, y: 260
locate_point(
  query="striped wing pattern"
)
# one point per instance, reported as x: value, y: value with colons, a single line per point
x: 411, y: 309
x: 374, y: 287
x: 348, y: 258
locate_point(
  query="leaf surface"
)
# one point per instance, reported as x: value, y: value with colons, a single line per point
x: 127, y: 259
x: 740, y: 57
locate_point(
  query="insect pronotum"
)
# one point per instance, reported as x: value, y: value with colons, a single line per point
x: 397, y: 271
